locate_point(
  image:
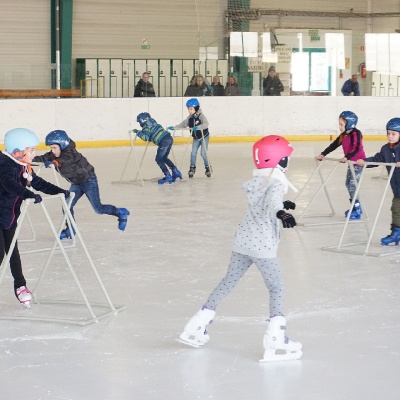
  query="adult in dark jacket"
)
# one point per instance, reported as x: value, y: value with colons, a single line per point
x: 144, y: 88
x: 75, y: 168
x: 351, y: 86
x: 272, y: 84
x: 200, y: 88
x: 217, y: 87
x: 232, y: 88
x: 15, y: 175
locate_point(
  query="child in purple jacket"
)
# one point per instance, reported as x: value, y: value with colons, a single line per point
x: 351, y: 141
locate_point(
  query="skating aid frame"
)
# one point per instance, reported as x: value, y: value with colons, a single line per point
x: 110, y: 308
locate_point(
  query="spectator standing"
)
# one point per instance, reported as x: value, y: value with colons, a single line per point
x: 144, y: 88
x: 272, y: 84
x: 351, y: 87
x: 232, y: 88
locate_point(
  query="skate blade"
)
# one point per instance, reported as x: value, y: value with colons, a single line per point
x: 288, y: 356
x: 26, y: 304
x: 188, y: 342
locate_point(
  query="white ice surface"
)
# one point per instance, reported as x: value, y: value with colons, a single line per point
x: 343, y: 308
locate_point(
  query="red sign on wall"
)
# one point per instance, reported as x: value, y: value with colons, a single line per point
x: 362, y: 48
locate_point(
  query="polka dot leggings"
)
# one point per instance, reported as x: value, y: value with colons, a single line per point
x: 238, y: 266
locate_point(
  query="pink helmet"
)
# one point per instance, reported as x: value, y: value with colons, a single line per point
x: 269, y: 151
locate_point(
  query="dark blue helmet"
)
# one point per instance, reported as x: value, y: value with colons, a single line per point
x: 350, y: 118
x: 192, y: 103
x: 142, y: 118
x: 393, y: 125
x: 58, y: 137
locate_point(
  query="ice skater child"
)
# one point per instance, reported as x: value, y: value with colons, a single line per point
x: 390, y: 153
x: 77, y: 170
x: 154, y: 132
x: 198, y: 124
x: 15, y: 176
x: 351, y: 141
x: 256, y: 242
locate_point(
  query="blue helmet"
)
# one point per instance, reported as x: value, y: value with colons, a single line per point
x: 143, y: 117
x: 393, y: 125
x: 58, y: 137
x: 350, y: 118
x: 18, y: 139
x: 192, y: 103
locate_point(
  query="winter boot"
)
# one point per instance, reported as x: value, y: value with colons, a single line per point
x: 192, y: 171
x: 355, y: 212
x: 208, y: 171
x: 277, y: 346
x: 122, y: 214
x: 167, y: 178
x: 195, y: 333
x: 24, y: 296
x: 394, y: 237
x: 66, y: 233
x: 176, y: 174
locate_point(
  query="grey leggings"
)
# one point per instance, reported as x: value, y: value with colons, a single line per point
x: 238, y: 266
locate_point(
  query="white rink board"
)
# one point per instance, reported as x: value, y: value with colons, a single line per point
x: 111, y: 119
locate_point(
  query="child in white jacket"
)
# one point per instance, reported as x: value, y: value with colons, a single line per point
x: 256, y: 242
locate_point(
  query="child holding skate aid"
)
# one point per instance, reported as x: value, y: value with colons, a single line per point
x: 15, y: 176
x: 77, y: 170
x: 198, y: 124
x: 154, y: 132
x: 256, y: 242
x: 351, y: 141
x: 390, y: 153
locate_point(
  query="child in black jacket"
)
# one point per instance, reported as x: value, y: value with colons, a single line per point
x: 15, y: 175
x: 75, y: 168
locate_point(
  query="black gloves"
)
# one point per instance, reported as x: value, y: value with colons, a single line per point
x: 287, y: 219
x: 289, y: 205
x: 37, y: 197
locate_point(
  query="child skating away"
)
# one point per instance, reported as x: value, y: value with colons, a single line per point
x: 390, y: 153
x: 77, y: 170
x: 198, y: 124
x: 15, y: 175
x: 351, y: 141
x: 256, y: 242
x: 154, y: 132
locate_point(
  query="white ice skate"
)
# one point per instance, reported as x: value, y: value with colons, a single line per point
x: 195, y: 333
x: 24, y: 296
x: 277, y: 346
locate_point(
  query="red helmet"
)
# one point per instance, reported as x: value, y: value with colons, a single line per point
x: 269, y: 151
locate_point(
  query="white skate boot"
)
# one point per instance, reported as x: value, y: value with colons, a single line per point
x: 195, y: 333
x: 277, y: 346
x: 24, y: 296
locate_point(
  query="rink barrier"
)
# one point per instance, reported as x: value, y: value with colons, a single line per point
x: 110, y: 308
x: 213, y: 139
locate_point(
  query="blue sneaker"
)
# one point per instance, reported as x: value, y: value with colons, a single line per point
x: 122, y: 214
x: 66, y: 233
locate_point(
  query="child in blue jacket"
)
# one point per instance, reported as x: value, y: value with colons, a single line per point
x: 390, y: 153
x: 154, y: 132
x: 15, y: 176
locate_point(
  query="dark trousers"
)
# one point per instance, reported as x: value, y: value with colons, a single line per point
x: 164, y: 147
x: 6, y: 238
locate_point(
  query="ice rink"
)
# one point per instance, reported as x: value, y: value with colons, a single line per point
x: 344, y: 308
